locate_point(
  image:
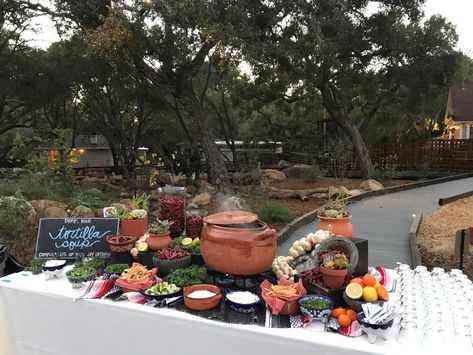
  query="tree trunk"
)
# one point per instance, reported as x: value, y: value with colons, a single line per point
x: 332, y: 103
x: 216, y: 170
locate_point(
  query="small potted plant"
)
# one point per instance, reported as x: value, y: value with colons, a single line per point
x: 135, y: 222
x: 335, y: 217
x: 334, y: 269
x: 159, y: 234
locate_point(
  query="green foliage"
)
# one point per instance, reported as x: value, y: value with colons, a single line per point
x: 35, y: 266
x: 15, y: 230
x: 387, y: 172
x: 88, y: 199
x: 275, y: 212
x: 339, y: 153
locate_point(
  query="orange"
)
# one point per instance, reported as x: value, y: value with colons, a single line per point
x: 354, y: 291
x: 351, y: 314
x: 370, y: 294
x: 369, y: 280
x: 382, y: 293
x: 344, y: 320
x: 357, y: 280
x: 337, y: 311
x: 377, y: 284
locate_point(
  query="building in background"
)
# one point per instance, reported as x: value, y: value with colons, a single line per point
x: 459, y: 113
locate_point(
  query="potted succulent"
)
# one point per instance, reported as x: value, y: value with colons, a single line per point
x: 135, y: 222
x: 334, y: 269
x: 335, y: 217
x: 159, y: 234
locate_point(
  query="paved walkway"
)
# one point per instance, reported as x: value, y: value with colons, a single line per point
x: 385, y: 220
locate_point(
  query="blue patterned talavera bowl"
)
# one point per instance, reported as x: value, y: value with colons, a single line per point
x: 321, y: 314
x: 240, y: 307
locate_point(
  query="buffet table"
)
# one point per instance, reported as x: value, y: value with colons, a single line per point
x: 41, y: 317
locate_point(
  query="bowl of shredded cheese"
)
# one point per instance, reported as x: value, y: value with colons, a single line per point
x: 242, y: 301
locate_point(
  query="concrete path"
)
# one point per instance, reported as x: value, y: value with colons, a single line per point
x: 385, y: 220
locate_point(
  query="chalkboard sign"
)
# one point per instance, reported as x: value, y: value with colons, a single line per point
x: 74, y: 238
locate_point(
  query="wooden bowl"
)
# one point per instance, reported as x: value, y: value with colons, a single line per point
x: 356, y: 304
x: 205, y: 303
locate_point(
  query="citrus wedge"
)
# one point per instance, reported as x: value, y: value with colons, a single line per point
x: 186, y: 241
x: 354, y: 291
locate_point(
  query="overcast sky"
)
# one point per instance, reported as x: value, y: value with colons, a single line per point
x: 459, y: 12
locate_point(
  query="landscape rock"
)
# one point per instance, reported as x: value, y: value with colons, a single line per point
x: 191, y: 206
x: 302, y: 171
x: 203, y: 199
x: 253, y: 177
x: 191, y: 189
x: 82, y: 211
x: 40, y: 206
x: 126, y: 194
x: 108, y: 187
x: 334, y: 191
x: 126, y: 202
x: 371, y: 185
x: 319, y: 195
x: 355, y: 192
x: 55, y: 212
x: 95, y: 191
x: 89, y: 182
x: 273, y: 175
x: 120, y: 207
x: 203, y: 186
x: 98, y: 212
x: 284, y: 164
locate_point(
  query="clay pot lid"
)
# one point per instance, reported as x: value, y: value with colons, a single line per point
x: 231, y: 217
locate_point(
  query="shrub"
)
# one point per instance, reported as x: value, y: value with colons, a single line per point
x: 37, y: 187
x: 276, y: 212
x: 88, y: 199
x: 14, y: 222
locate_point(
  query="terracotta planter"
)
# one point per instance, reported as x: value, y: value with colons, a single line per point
x: 333, y: 278
x: 340, y: 226
x: 134, y: 227
x: 237, y: 243
x: 158, y: 241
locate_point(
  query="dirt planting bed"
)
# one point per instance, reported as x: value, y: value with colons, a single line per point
x: 437, y: 235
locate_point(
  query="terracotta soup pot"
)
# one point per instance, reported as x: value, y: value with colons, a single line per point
x: 340, y: 226
x: 237, y: 243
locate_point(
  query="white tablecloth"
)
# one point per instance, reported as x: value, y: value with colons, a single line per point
x: 40, y: 317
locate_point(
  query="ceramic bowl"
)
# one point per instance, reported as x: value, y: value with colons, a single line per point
x: 374, y: 330
x: 77, y: 281
x: 121, y: 243
x: 241, y: 307
x: 321, y: 314
x: 160, y: 297
x: 167, y: 266
x: 53, y: 268
x: 114, y: 275
x: 205, y: 303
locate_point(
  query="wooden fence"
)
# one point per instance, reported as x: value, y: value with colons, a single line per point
x: 454, y: 154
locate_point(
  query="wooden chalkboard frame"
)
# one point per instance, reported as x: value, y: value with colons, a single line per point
x: 87, y: 240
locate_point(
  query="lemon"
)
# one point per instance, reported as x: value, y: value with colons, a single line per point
x: 370, y: 294
x: 196, y: 240
x: 354, y: 291
x: 186, y: 241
